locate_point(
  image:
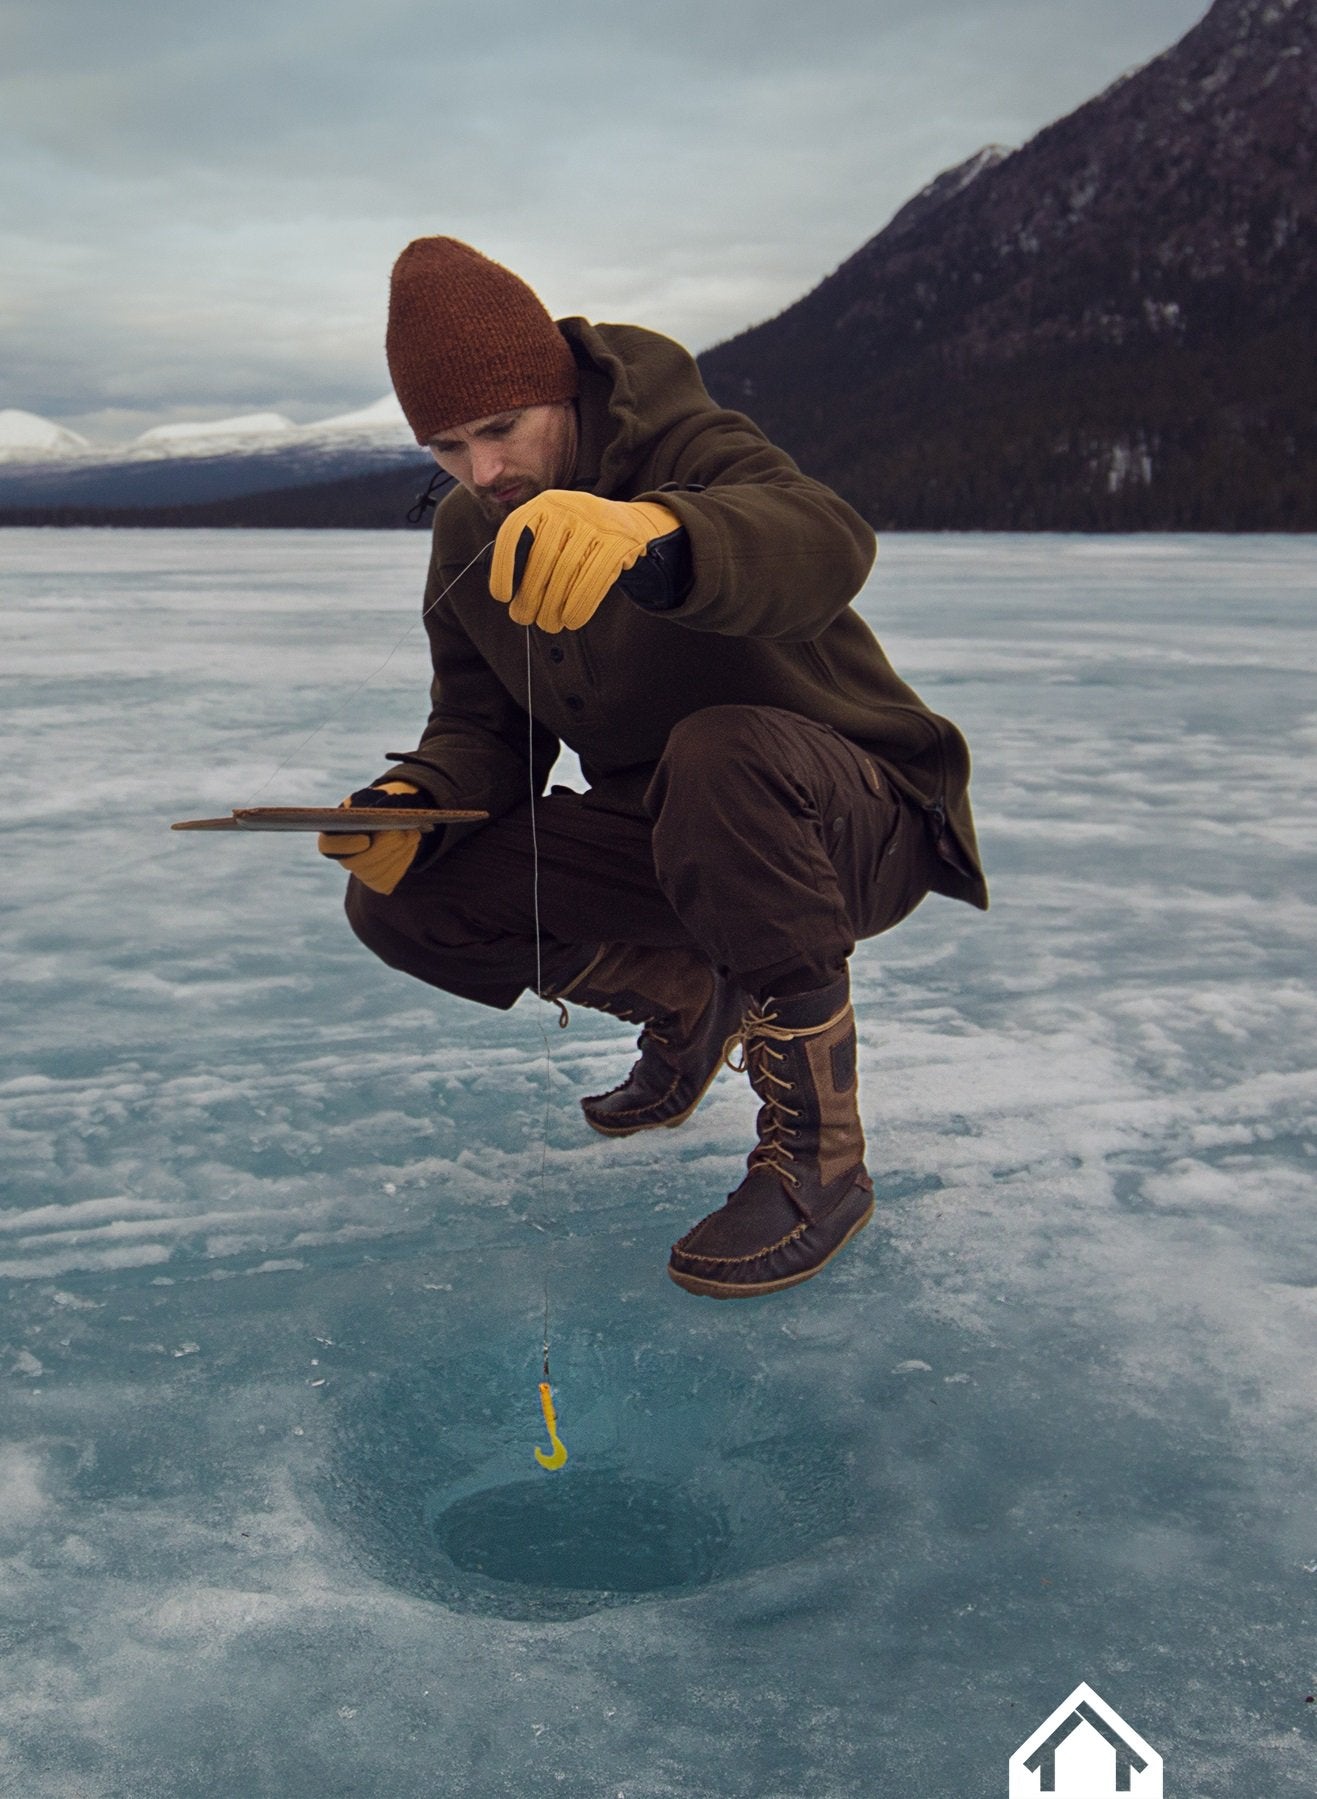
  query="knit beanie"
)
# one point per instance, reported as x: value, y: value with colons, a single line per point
x: 467, y: 338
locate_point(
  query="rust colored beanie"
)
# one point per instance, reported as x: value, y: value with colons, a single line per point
x: 467, y: 338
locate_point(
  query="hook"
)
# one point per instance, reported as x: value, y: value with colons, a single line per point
x: 559, y: 1455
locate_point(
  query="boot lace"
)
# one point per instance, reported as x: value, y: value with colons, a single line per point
x: 629, y: 1017
x: 761, y: 1061
x: 628, y: 1014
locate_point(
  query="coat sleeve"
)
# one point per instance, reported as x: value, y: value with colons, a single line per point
x: 775, y: 554
x: 478, y: 748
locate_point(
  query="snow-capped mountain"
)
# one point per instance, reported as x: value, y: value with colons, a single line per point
x: 44, y: 465
x: 383, y: 418
x: 26, y: 437
x: 259, y: 425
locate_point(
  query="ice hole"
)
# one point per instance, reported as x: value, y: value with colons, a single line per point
x: 588, y: 1532
x: 676, y: 1481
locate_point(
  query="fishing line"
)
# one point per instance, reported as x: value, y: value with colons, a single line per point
x: 559, y: 1453
x: 539, y: 970
x: 558, y: 1456
x: 546, y: 1400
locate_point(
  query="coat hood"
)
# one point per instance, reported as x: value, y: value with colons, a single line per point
x: 636, y: 385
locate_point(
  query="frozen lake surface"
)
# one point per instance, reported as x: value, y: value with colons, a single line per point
x: 277, y: 1224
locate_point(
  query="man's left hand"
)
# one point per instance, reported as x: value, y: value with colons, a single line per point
x: 378, y: 858
x: 557, y: 556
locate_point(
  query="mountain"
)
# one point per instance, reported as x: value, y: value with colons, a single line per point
x: 384, y: 501
x: 26, y: 437
x: 1110, y: 328
x: 215, y: 462
x: 224, y: 432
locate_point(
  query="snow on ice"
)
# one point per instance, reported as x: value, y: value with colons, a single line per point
x: 277, y: 1229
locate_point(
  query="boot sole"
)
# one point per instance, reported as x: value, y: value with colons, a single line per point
x: 744, y: 1290
x: 659, y: 1124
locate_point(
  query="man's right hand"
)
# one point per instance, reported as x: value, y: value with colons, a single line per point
x: 556, y: 557
x: 379, y: 859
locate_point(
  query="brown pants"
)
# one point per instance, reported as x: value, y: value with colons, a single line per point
x: 767, y: 843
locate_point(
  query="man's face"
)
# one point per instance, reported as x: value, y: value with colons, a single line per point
x: 507, y: 459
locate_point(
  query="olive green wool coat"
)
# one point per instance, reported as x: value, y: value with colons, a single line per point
x: 768, y: 622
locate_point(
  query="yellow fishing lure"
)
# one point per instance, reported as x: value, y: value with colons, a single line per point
x: 559, y: 1455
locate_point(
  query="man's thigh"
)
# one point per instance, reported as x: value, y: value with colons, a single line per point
x: 585, y: 873
x: 572, y: 871
x: 770, y: 803
x: 790, y: 840
x: 513, y: 903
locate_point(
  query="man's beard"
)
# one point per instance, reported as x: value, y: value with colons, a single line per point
x: 497, y: 510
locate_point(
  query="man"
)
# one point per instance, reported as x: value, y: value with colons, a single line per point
x: 627, y: 568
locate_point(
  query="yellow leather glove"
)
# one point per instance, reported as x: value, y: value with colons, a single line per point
x: 578, y: 546
x: 379, y: 858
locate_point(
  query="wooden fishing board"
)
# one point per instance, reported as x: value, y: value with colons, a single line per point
x: 332, y: 818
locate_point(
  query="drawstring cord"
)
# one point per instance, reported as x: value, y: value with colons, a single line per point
x: 427, y: 501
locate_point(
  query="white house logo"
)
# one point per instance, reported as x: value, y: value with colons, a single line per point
x: 1084, y: 1751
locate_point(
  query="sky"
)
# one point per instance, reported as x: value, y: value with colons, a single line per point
x: 199, y: 206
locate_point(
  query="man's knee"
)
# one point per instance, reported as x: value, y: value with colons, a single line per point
x: 706, y: 751
x: 413, y: 931
x: 375, y: 918
x: 707, y: 739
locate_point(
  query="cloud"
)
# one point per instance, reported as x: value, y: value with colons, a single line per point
x: 202, y: 205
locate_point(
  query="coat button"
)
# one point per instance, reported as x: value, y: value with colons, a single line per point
x: 575, y: 703
x: 555, y: 653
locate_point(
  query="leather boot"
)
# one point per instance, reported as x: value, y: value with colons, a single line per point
x: 689, y: 1014
x: 806, y: 1192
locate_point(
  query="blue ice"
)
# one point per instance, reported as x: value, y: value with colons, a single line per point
x: 278, y: 1227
